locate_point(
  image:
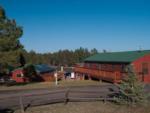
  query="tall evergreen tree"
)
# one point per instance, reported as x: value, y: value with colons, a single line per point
x: 22, y: 60
x: 94, y: 51
x: 10, y: 46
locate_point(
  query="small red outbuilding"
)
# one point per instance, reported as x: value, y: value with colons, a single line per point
x: 18, y: 76
x: 110, y: 66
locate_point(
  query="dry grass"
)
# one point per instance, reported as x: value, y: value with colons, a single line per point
x: 68, y: 83
x: 86, y: 107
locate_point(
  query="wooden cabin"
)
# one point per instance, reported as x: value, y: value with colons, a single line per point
x: 43, y: 73
x: 111, y: 66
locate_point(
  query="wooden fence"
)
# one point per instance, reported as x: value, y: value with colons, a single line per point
x: 61, y: 96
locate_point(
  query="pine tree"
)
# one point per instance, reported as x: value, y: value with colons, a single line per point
x: 131, y: 89
x: 10, y: 46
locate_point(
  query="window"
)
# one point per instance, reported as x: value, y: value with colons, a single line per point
x: 95, y: 66
x: 99, y: 66
x: 19, y: 75
x: 145, y: 68
x: 103, y: 67
x: 88, y: 65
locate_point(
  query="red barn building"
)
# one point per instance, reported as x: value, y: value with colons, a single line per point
x: 18, y: 76
x: 110, y: 66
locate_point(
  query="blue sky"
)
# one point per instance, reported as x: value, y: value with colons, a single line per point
x: 50, y: 25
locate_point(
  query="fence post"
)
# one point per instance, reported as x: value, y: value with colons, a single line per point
x: 66, y: 96
x: 21, y: 104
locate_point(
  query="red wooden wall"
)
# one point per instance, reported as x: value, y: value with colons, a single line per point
x: 105, y: 71
x: 138, y: 65
x: 46, y: 77
x: 20, y: 78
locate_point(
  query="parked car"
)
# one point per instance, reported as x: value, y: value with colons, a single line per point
x: 2, y: 81
x: 10, y: 82
x: 7, y: 81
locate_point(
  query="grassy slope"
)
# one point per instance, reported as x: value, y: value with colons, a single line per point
x: 86, y: 107
x: 52, y: 85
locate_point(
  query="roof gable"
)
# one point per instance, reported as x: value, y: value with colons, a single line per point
x: 126, y: 57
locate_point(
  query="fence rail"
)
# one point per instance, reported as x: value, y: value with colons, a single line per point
x: 23, y: 101
x: 61, y: 96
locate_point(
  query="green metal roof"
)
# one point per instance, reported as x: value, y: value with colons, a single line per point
x: 126, y: 57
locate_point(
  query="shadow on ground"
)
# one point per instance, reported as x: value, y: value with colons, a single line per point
x: 6, y: 111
